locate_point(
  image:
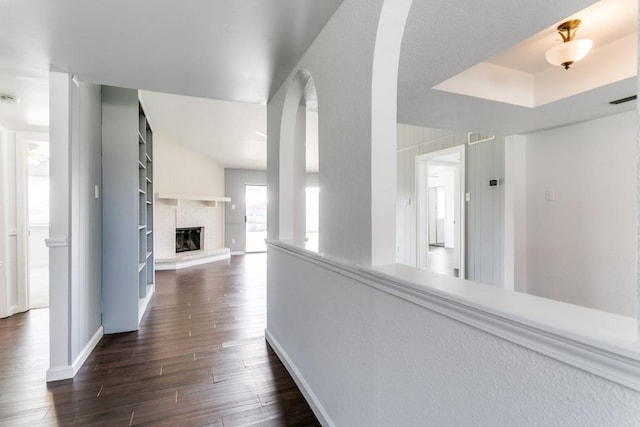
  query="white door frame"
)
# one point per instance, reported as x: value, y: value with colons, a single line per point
x: 422, y: 206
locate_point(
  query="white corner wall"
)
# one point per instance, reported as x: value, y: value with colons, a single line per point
x: 180, y: 170
x: 580, y: 247
x: 365, y: 357
x: 75, y: 239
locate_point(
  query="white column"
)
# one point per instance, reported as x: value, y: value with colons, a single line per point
x: 515, y: 271
x: 59, y: 227
x: 384, y: 104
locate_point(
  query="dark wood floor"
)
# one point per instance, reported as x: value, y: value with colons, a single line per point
x: 199, y: 358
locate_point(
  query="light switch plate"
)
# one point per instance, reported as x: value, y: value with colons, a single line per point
x: 549, y: 195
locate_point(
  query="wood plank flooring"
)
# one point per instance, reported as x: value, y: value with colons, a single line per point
x: 199, y: 358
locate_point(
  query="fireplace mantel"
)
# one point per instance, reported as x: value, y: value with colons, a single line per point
x: 174, y: 199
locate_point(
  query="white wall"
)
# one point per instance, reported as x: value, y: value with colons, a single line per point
x: 179, y: 170
x: 87, y: 219
x: 580, y: 248
x: 373, y: 359
x: 75, y: 242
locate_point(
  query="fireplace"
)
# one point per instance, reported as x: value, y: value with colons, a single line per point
x: 188, y: 239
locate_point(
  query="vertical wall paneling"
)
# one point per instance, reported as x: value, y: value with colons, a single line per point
x: 484, y: 212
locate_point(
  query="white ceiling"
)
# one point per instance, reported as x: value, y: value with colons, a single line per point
x: 218, y: 49
x: 522, y: 76
x: 224, y: 131
x: 603, y: 22
x: 222, y: 49
x: 32, y: 112
x: 436, y: 49
x: 242, y: 50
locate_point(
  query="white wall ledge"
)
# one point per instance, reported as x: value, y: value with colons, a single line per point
x: 601, y: 343
x: 192, y: 197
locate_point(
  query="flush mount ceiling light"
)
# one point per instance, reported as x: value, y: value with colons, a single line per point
x: 570, y: 51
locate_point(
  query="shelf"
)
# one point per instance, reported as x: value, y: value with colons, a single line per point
x: 149, y: 254
x: 149, y: 232
x: 149, y: 202
x: 140, y: 165
x: 141, y: 266
x: 148, y: 158
x: 141, y: 191
x: 149, y: 180
x: 141, y: 139
x: 175, y: 198
x: 142, y: 227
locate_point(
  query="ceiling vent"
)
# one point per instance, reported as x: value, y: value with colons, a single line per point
x: 476, y: 138
x: 623, y: 100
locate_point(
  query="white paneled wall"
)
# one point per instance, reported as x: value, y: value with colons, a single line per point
x: 484, y: 213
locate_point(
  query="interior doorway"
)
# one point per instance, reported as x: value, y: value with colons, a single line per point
x: 255, y: 218
x: 37, y: 152
x: 440, y: 214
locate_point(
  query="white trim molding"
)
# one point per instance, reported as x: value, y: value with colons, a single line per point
x: 597, y: 342
x: 309, y: 395
x: 86, y: 351
x: 56, y: 242
x: 58, y: 373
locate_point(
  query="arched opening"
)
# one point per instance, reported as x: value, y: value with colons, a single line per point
x: 299, y: 163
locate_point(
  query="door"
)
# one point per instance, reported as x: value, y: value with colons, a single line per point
x: 255, y: 218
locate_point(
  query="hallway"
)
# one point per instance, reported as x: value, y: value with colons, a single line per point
x: 199, y: 358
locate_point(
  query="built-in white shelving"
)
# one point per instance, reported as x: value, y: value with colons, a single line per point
x: 128, y: 257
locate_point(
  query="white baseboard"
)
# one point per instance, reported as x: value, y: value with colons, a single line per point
x: 143, y: 303
x: 309, y: 395
x: 177, y: 265
x: 58, y: 373
x: 86, y: 351
x: 238, y: 253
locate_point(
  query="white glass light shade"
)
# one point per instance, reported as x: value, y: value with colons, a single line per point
x: 569, y: 52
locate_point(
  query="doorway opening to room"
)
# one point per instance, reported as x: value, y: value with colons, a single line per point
x: 255, y: 218
x: 37, y: 221
x: 440, y: 219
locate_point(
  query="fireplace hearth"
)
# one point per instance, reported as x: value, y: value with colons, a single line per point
x: 188, y: 239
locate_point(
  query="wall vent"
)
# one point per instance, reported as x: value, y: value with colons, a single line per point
x: 623, y: 100
x: 476, y: 138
